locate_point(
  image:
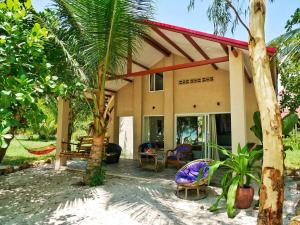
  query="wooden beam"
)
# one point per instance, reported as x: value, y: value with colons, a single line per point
x: 249, y: 78
x: 166, y: 38
x: 225, y: 48
x: 109, y: 90
x: 140, y: 65
x: 178, y: 66
x: 128, y: 80
x: 159, y: 47
x: 234, y: 52
x: 199, y: 49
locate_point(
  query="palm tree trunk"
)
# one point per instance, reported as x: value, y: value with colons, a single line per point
x: 272, y: 187
x: 95, y: 159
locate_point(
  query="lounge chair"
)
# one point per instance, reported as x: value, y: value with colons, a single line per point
x: 186, y: 177
x: 179, y: 156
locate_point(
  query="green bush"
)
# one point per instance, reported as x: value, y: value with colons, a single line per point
x: 97, y: 176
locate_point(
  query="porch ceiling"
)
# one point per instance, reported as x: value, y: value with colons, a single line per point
x: 191, y: 44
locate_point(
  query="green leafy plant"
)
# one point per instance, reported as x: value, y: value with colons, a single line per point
x: 240, y: 171
x: 25, y: 72
x: 97, y: 176
x: 4, y: 134
x: 288, y: 124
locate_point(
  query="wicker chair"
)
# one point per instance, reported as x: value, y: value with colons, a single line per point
x: 112, y: 153
x: 186, y: 177
x: 179, y: 156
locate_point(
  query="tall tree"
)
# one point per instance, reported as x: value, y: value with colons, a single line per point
x: 110, y: 32
x: 226, y: 12
x: 24, y: 71
x: 288, y: 46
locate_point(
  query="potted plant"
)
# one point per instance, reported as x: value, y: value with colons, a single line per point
x: 241, y: 169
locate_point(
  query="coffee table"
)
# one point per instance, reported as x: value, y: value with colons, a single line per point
x: 151, y: 161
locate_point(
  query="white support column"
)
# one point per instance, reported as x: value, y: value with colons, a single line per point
x: 237, y: 100
x: 169, y: 105
x: 137, y: 113
x: 62, y: 130
x: 115, y: 121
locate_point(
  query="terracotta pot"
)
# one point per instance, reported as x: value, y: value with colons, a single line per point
x: 244, y: 197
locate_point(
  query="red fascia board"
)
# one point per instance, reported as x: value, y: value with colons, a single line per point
x: 206, y: 36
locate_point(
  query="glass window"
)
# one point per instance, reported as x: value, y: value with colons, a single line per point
x: 154, y: 129
x: 223, y: 123
x: 156, y: 82
x: 191, y: 130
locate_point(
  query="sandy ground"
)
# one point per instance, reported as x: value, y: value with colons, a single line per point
x: 44, y: 196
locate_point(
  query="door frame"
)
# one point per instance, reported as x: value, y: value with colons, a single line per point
x: 207, y: 149
x: 119, y: 118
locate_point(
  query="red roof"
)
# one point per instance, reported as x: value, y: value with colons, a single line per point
x: 206, y: 36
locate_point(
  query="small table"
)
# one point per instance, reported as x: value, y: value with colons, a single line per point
x: 145, y: 162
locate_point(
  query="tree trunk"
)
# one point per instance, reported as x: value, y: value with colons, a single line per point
x: 95, y: 159
x: 272, y: 187
x: 8, y: 141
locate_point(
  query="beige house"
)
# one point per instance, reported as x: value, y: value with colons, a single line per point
x: 184, y: 86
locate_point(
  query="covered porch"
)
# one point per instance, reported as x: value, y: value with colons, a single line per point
x: 203, y: 75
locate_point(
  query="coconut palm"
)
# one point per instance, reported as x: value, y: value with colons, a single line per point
x: 108, y: 32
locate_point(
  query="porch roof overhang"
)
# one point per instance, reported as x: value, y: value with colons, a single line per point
x: 199, y: 48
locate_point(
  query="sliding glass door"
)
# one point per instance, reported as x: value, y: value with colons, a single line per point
x: 202, y: 131
x: 194, y: 130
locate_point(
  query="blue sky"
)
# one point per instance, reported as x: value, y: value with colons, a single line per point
x: 175, y: 12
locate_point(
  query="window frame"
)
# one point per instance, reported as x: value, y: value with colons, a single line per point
x: 154, y: 74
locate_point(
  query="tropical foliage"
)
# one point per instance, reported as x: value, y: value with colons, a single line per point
x: 288, y: 45
x: 25, y: 75
x: 240, y: 170
x: 288, y: 125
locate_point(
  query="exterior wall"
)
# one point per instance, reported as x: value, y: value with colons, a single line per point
x: 251, y: 107
x: 205, y: 96
x: 153, y: 102
x: 125, y: 101
x: 136, y: 100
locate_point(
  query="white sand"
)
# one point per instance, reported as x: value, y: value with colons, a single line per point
x: 44, y: 196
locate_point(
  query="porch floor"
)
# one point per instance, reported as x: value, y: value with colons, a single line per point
x: 128, y: 168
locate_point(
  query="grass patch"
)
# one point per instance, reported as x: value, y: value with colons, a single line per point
x: 17, y: 155
x: 292, y: 159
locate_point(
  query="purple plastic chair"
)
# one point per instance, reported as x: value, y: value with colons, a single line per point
x: 186, y: 177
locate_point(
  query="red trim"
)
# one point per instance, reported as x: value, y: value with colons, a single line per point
x: 179, y: 66
x: 206, y: 36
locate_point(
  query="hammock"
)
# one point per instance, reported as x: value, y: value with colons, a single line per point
x: 39, y: 151
x: 42, y: 150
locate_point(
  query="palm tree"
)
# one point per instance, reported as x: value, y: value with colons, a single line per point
x: 109, y: 31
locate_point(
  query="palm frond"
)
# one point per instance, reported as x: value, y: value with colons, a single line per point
x: 57, y: 36
x: 108, y: 28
